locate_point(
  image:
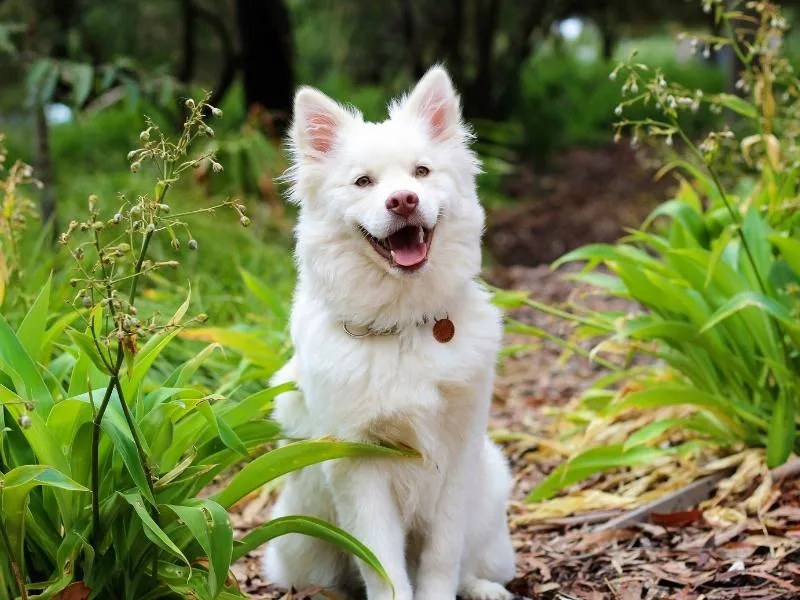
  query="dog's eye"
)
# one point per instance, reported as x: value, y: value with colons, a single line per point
x: 422, y: 171
x: 363, y: 181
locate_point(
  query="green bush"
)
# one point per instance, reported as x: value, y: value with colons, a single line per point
x: 107, y: 441
x: 717, y: 285
x: 564, y: 102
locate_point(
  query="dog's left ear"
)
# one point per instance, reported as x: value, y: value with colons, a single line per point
x: 435, y: 101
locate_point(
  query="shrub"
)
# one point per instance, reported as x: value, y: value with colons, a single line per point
x: 564, y: 102
x: 106, y: 447
x: 717, y: 285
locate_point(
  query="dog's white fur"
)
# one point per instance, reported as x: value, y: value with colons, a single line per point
x: 438, y: 525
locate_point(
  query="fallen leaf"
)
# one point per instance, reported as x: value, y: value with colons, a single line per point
x: 74, y: 591
x: 676, y: 519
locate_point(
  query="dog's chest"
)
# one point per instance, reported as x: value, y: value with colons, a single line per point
x: 410, y: 377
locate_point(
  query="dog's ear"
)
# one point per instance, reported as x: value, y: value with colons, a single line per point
x: 435, y: 101
x: 317, y: 120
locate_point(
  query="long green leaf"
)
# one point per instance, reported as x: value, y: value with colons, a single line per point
x: 151, y: 529
x: 590, y: 462
x: 748, y: 300
x: 14, y: 356
x: 296, y: 456
x: 209, y: 524
x: 315, y: 528
x: 782, y: 430
x: 15, y: 486
x: 31, y: 331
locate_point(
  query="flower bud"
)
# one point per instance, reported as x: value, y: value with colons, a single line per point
x: 189, y: 103
x: 150, y: 228
x: 192, y: 244
x: 216, y: 112
x: 24, y: 421
x: 245, y: 221
x: 87, y: 302
x: 175, y: 243
x: 117, y: 218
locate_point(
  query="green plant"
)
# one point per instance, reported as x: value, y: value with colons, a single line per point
x: 564, y: 102
x: 106, y: 448
x: 717, y: 286
x: 17, y: 210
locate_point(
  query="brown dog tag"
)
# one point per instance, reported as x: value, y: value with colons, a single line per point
x: 444, y: 330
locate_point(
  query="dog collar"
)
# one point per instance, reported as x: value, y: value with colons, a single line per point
x: 443, y: 329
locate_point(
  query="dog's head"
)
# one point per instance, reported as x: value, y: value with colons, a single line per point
x: 390, y: 205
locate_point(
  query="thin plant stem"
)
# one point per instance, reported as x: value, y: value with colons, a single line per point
x: 728, y: 206
x: 132, y: 426
x: 112, y: 383
x: 96, y: 452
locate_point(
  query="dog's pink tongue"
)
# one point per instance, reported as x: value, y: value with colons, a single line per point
x: 407, y: 249
x: 408, y: 256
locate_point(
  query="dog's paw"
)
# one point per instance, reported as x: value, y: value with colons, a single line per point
x: 483, y: 589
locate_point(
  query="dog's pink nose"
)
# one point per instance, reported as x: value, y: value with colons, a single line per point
x: 402, y: 202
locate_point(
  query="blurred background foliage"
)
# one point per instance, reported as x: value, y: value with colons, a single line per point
x: 78, y: 75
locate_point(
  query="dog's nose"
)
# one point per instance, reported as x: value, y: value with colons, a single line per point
x: 402, y: 202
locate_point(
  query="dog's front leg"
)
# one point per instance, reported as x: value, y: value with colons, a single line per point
x: 443, y: 544
x: 367, y: 509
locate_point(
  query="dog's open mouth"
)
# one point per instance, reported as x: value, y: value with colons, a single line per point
x: 406, y: 248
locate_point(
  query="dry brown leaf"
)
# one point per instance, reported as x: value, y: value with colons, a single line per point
x: 74, y: 591
x: 676, y: 519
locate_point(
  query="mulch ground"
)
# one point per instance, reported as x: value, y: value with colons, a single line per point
x: 724, y: 554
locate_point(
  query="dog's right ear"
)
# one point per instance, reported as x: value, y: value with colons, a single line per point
x: 317, y: 122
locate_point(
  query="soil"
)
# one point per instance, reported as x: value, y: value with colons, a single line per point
x: 684, y: 555
x: 588, y: 195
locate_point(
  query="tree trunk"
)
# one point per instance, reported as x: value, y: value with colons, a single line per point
x: 609, y: 35
x: 479, y: 96
x: 266, y: 58
x: 189, y: 21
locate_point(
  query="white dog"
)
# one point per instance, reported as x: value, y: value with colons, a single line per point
x: 395, y: 342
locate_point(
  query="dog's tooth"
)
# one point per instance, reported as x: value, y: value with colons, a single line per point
x: 392, y: 253
x: 421, y: 235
